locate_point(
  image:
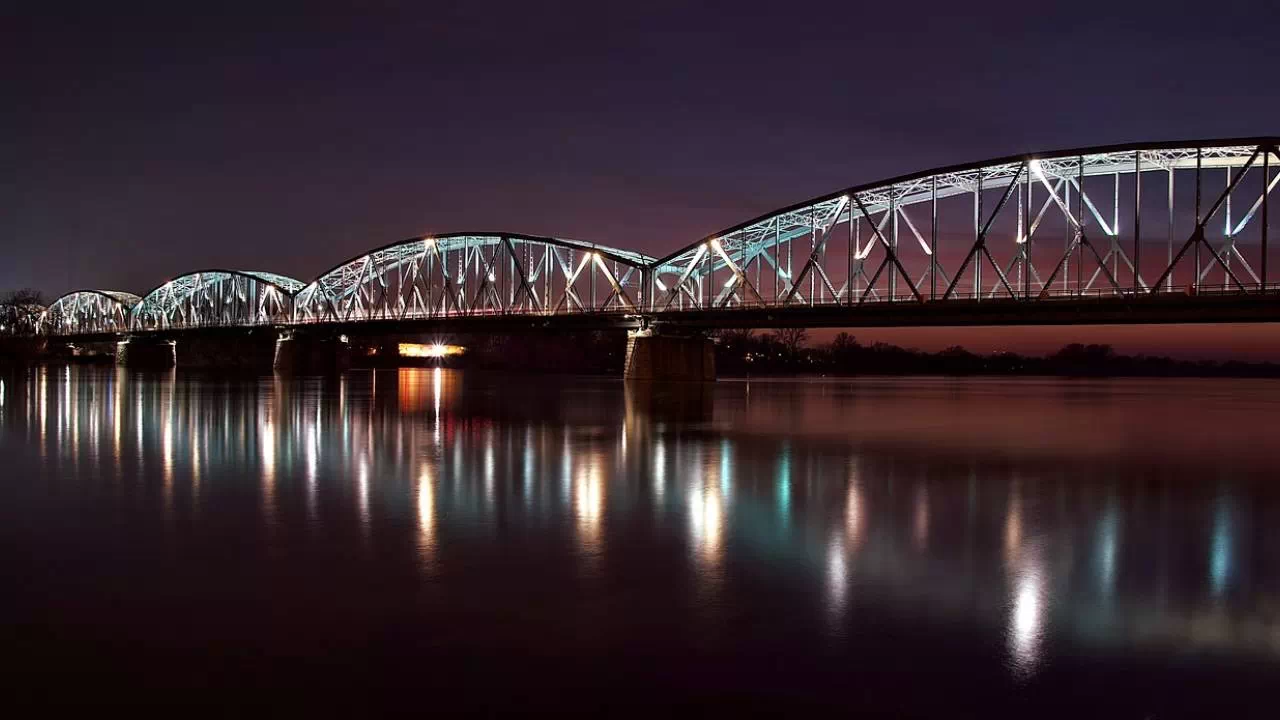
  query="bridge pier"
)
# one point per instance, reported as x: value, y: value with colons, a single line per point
x: 258, y: 349
x: 302, y: 352
x: 252, y: 350
x: 146, y: 352
x: 656, y: 357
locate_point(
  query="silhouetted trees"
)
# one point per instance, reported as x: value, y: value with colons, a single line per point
x: 780, y: 353
x: 20, y: 312
x: 792, y: 339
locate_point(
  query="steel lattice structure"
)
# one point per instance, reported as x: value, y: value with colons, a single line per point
x: 476, y: 274
x: 217, y: 298
x: 1027, y: 222
x: 1127, y: 221
x: 90, y: 311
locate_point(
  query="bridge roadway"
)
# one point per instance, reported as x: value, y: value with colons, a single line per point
x: 1216, y: 305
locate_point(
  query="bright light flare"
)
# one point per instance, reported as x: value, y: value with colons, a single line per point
x: 434, y: 350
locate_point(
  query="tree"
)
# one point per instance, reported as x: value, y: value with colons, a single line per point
x: 735, y: 337
x: 20, y: 312
x: 792, y: 339
x: 843, y: 343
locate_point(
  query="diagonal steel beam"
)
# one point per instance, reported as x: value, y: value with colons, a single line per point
x: 890, y: 254
x: 981, y: 242
x: 819, y: 245
x: 738, y: 273
x: 613, y: 281
x: 1197, y: 234
x: 684, y: 277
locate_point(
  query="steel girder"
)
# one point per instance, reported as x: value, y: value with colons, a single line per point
x: 213, y: 298
x: 475, y: 274
x: 932, y: 235
x: 89, y: 311
x: 1064, y: 223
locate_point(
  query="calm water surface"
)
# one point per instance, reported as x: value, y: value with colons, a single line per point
x: 429, y: 539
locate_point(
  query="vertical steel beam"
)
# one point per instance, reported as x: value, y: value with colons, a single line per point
x: 1083, y: 221
x: 1266, y: 185
x: 1195, y: 280
x: 777, y: 259
x: 933, y: 238
x: 1115, y: 224
x: 1137, y: 218
x: 813, y: 248
x: 1169, y: 259
x: 1066, y: 239
x: 848, y: 265
x: 1026, y: 239
x: 977, y: 230
x: 893, y: 212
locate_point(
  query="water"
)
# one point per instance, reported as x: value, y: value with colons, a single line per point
x: 433, y: 540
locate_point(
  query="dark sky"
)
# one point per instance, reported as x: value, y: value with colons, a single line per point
x: 139, y: 141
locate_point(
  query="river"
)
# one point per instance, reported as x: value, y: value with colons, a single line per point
x: 439, y: 539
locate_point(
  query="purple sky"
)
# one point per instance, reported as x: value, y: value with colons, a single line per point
x: 139, y: 141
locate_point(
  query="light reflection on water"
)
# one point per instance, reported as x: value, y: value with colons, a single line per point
x: 855, y: 508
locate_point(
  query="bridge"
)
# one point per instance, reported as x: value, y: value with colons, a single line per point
x: 1139, y: 233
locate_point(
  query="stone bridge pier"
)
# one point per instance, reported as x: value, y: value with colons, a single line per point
x: 660, y: 357
x: 259, y: 349
x: 300, y: 351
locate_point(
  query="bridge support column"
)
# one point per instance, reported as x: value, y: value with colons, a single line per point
x: 250, y: 349
x: 302, y: 352
x: 145, y: 352
x: 651, y: 356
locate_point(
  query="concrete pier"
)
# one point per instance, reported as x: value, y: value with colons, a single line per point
x: 663, y: 358
x: 149, y: 353
x: 300, y: 352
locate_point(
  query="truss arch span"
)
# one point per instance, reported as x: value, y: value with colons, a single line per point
x: 1118, y: 219
x: 217, y: 298
x: 476, y: 273
x: 82, y: 312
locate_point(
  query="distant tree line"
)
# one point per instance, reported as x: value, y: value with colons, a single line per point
x: 786, y: 352
x: 20, y: 312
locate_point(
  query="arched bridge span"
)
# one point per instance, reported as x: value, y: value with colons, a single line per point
x: 217, y: 298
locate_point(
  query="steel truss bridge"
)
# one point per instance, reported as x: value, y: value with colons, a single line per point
x: 1155, y: 232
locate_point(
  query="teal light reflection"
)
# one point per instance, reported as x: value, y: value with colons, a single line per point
x: 784, y: 483
x: 726, y: 467
x: 1220, y: 547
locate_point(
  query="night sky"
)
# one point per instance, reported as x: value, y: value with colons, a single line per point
x: 141, y: 141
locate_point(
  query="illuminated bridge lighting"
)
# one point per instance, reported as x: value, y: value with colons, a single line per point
x: 988, y: 232
x: 433, y: 350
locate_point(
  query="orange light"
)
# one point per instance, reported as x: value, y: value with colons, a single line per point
x: 435, y: 350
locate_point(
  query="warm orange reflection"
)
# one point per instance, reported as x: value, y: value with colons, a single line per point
x: 1013, y: 526
x: 426, y: 513
x: 362, y: 482
x: 1026, y: 615
x: 117, y: 404
x: 412, y: 386
x: 837, y: 574
x: 588, y: 503
x: 920, y: 524
x: 853, y: 511
x: 706, y: 521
